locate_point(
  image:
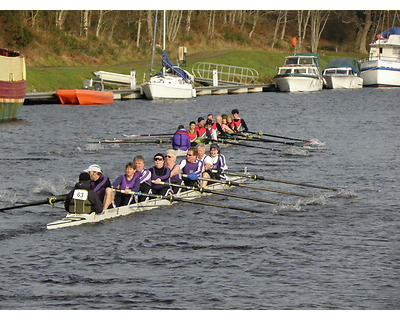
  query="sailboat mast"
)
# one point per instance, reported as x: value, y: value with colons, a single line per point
x: 154, y: 43
x: 164, y: 28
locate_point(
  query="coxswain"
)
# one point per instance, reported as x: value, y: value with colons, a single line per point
x: 192, y: 167
x: 145, y: 176
x: 99, y: 181
x: 239, y: 123
x: 82, y: 199
x: 160, y: 175
x: 180, y: 139
x: 218, y: 166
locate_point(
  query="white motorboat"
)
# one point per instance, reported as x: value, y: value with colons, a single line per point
x: 150, y: 204
x: 171, y: 82
x: 343, y: 73
x: 300, y: 73
x: 382, y: 69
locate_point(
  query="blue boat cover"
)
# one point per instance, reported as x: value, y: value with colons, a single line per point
x: 386, y: 33
x: 172, y: 68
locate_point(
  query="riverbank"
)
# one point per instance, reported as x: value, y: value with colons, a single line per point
x: 44, y: 79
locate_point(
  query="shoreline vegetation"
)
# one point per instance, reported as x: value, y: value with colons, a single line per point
x: 63, y: 47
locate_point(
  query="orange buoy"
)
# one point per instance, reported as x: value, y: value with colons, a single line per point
x: 294, y: 41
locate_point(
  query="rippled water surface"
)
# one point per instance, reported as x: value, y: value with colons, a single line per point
x: 340, y: 253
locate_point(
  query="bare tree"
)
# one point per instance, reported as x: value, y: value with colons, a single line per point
x: 318, y: 23
x: 188, y: 21
x: 60, y: 18
x: 281, y: 15
x: 255, y: 18
x: 302, y: 22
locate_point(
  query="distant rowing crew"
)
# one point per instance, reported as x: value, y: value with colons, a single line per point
x: 95, y: 193
x: 208, y: 130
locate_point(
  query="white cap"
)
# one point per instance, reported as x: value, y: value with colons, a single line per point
x: 94, y: 168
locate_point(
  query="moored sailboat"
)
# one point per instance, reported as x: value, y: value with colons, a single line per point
x: 171, y: 82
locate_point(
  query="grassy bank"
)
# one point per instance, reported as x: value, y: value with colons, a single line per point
x: 48, y: 79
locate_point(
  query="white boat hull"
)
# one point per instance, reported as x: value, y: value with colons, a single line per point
x: 298, y: 84
x: 150, y: 204
x: 168, y: 87
x: 343, y: 82
x: 381, y: 73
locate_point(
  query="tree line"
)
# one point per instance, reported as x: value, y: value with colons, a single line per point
x: 357, y: 27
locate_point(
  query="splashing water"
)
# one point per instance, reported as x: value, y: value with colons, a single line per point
x: 296, y: 151
x: 342, y: 193
x: 55, y: 186
x: 287, y: 207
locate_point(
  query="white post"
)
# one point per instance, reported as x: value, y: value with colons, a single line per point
x: 133, y: 79
x: 215, y: 77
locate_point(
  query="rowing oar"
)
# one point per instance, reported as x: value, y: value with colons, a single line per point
x: 50, y: 201
x: 206, y: 190
x: 172, y: 198
x: 237, y: 184
x: 223, y: 141
x: 257, y: 177
x: 147, y: 135
x: 292, y: 143
x: 275, y: 136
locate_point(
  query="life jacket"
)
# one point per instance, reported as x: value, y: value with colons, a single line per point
x: 180, y: 139
x: 80, y: 203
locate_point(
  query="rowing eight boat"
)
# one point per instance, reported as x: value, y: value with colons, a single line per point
x: 150, y: 204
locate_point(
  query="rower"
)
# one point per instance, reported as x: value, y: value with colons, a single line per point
x: 201, y: 155
x: 239, y: 123
x: 180, y: 139
x: 130, y: 181
x: 218, y: 166
x: 160, y: 175
x: 211, y: 133
x: 175, y: 176
x: 192, y: 133
x: 82, y: 199
x: 200, y: 129
x: 145, y: 176
x: 191, y: 166
x: 99, y: 182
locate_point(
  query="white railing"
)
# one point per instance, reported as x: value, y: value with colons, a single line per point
x: 205, y: 71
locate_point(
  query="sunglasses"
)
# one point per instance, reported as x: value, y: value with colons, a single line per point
x: 158, y: 159
x: 189, y: 155
x: 168, y: 156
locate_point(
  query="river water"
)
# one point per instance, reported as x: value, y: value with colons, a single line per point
x: 341, y: 252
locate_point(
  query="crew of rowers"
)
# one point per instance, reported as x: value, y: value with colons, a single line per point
x: 208, y: 131
x: 95, y: 192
